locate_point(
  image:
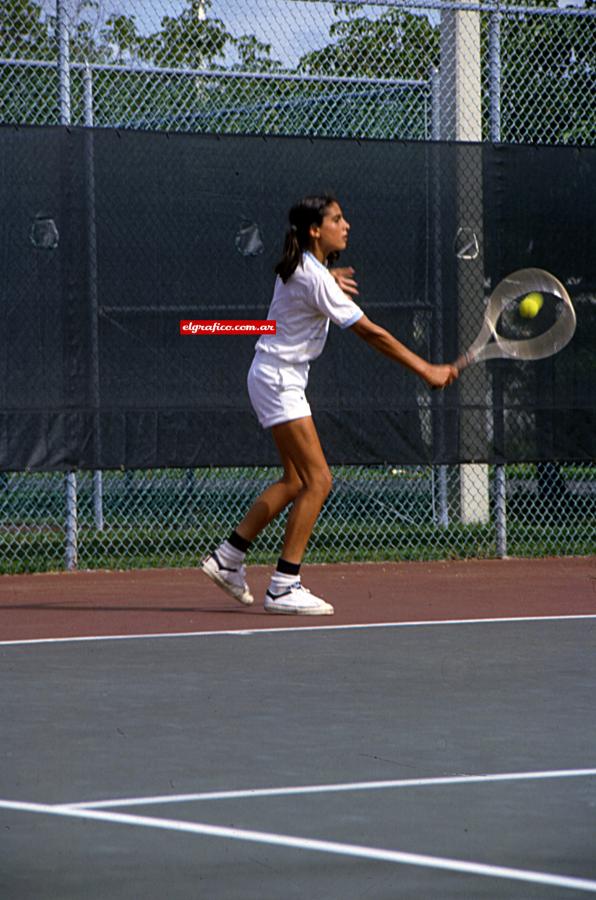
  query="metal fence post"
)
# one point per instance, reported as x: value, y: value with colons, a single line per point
x: 93, y: 299
x: 494, y: 66
x: 461, y: 121
x: 71, y: 521
x: 65, y: 112
x: 494, y: 69
x: 63, y: 62
x: 500, y: 511
x: 442, y: 471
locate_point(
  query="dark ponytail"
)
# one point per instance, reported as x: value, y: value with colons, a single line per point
x: 303, y: 215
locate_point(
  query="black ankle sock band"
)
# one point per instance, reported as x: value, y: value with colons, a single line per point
x: 238, y: 542
x: 287, y: 568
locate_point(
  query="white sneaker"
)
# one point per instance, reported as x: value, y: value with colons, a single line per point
x: 297, y: 601
x: 232, y: 581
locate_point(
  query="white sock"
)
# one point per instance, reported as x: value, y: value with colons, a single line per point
x: 280, y: 582
x: 230, y: 556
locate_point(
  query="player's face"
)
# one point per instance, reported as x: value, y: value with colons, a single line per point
x: 331, y: 235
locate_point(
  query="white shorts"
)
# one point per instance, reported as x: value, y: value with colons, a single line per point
x: 276, y: 389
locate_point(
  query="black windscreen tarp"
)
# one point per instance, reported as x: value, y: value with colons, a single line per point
x: 108, y: 239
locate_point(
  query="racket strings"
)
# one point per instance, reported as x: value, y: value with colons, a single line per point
x: 513, y: 326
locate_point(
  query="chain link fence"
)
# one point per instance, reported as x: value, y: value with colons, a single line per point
x: 172, y: 517
x: 351, y: 69
x: 398, y: 69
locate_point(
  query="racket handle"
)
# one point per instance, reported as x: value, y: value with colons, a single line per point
x: 463, y: 361
x: 460, y: 363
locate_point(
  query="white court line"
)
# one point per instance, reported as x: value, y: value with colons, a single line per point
x: 300, y: 843
x: 332, y: 788
x: 298, y: 628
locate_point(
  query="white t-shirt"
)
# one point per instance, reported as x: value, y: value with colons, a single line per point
x: 302, y: 308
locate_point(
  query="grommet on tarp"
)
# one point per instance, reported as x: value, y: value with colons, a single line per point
x: 248, y: 239
x: 44, y: 233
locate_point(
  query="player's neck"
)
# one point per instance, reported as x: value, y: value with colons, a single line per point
x: 317, y: 252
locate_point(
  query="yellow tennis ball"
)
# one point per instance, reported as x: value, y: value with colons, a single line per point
x: 531, y: 304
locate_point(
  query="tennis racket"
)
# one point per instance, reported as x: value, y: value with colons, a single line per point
x: 509, y: 334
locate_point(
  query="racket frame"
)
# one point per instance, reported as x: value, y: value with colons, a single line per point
x: 489, y: 345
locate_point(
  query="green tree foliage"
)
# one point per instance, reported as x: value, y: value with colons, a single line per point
x: 23, y: 32
x: 548, y: 72
x: 254, y: 55
x: 191, y: 40
x: 396, y: 44
x: 185, y: 41
x: 548, y: 65
x: 26, y: 93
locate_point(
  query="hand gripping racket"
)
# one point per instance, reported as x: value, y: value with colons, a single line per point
x: 507, y: 332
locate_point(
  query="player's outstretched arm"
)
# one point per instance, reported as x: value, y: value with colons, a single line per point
x: 381, y: 339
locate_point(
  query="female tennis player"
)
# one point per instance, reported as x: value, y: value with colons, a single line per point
x: 307, y: 296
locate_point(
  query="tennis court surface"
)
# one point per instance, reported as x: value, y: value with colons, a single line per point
x: 436, y: 738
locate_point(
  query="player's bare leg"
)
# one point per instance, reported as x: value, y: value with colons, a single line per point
x: 300, y: 450
x: 271, y: 502
x: 299, y: 446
